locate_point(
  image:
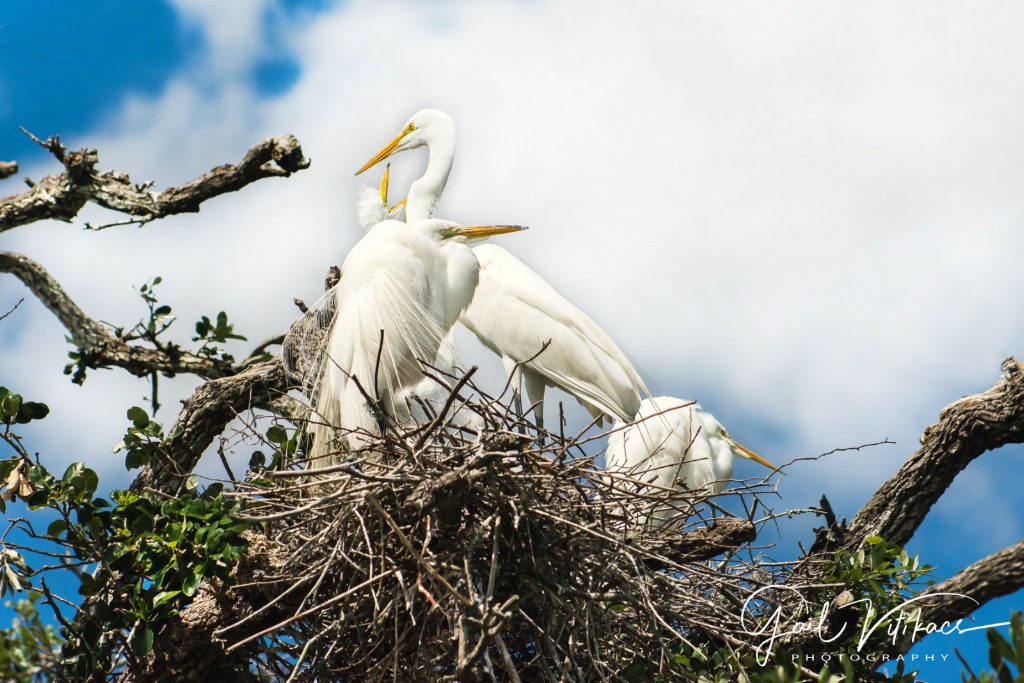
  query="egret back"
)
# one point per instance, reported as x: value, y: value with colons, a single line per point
x: 673, y: 446
x: 515, y: 312
x: 390, y: 322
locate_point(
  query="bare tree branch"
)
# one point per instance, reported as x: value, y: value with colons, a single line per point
x: 98, y: 348
x: 63, y: 196
x: 966, y: 429
x: 205, y: 415
x: 8, y: 168
x: 999, y: 574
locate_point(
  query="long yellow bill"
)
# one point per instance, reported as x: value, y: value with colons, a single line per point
x: 753, y: 456
x: 384, y: 186
x: 478, y: 232
x: 388, y: 150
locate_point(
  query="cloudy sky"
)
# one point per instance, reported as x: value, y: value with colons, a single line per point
x: 809, y: 217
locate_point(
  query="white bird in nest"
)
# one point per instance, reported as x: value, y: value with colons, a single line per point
x: 673, y: 445
x: 542, y: 338
x: 402, y: 287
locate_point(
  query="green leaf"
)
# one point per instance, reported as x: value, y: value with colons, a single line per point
x: 30, y: 410
x: 142, y: 640
x: 136, y: 459
x: 138, y: 416
x: 190, y: 584
x: 56, y: 528
x: 196, y: 508
x: 164, y: 597
x: 277, y: 435
x: 9, y: 406
x: 258, y: 460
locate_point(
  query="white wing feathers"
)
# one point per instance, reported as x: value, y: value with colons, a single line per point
x: 515, y: 312
x: 384, y: 287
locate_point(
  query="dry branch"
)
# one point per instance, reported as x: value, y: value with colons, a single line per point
x: 8, y: 168
x: 62, y: 196
x: 204, y: 416
x: 99, y: 348
x: 966, y: 429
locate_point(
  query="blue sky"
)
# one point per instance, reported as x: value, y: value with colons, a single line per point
x: 805, y: 217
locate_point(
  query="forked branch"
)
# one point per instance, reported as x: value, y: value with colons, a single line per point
x: 63, y: 195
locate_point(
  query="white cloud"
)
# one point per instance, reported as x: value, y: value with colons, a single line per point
x: 806, y: 216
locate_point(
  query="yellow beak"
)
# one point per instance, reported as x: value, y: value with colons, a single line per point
x: 747, y: 453
x: 479, y: 232
x: 384, y: 186
x: 401, y: 203
x: 388, y: 150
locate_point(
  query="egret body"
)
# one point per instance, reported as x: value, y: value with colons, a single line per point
x: 514, y: 311
x: 675, y: 444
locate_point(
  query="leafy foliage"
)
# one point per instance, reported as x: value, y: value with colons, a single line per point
x: 143, y: 439
x: 139, y: 559
x: 212, y: 334
x: 1004, y: 655
x: 29, y: 648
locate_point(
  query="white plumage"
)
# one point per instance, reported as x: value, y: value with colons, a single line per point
x: 674, y: 444
x: 401, y: 289
x: 372, y: 205
x: 514, y: 311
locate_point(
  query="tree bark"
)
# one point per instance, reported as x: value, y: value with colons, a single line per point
x: 62, y: 196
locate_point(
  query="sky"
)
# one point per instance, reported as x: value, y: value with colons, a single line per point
x: 806, y: 216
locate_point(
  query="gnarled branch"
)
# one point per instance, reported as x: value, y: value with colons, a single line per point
x: 8, y: 168
x: 205, y: 415
x: 958, y: 597
x: 62, y: 196
x: 98, y: 348
x: 966, y: 429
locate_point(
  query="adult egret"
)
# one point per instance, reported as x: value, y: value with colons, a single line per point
x: 401, y: 289
x: 542, y: 338
x: 674, y: 444
x: 304, y: 346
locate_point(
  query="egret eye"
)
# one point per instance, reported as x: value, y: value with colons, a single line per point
x: 410, y: 127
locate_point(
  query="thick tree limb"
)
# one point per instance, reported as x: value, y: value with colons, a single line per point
x: 179, y: 659
x: 703, y: 543
x: 63, y: 196
x: 8, y: 168
x: 98, y: 348
x: 999, y: 574
x: 205, y: 416
x: 966, y: 429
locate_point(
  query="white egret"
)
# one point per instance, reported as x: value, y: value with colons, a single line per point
x: 674, y: 444
x: 401, y: 289
x: 514, y: 311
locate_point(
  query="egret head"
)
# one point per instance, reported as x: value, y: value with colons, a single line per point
x: 724, y: 446
x: 426, y: 126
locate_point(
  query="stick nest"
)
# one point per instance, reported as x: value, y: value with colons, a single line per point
x: 450, y: 552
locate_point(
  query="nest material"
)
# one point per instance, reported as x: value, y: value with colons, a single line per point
x: 439, y: 552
